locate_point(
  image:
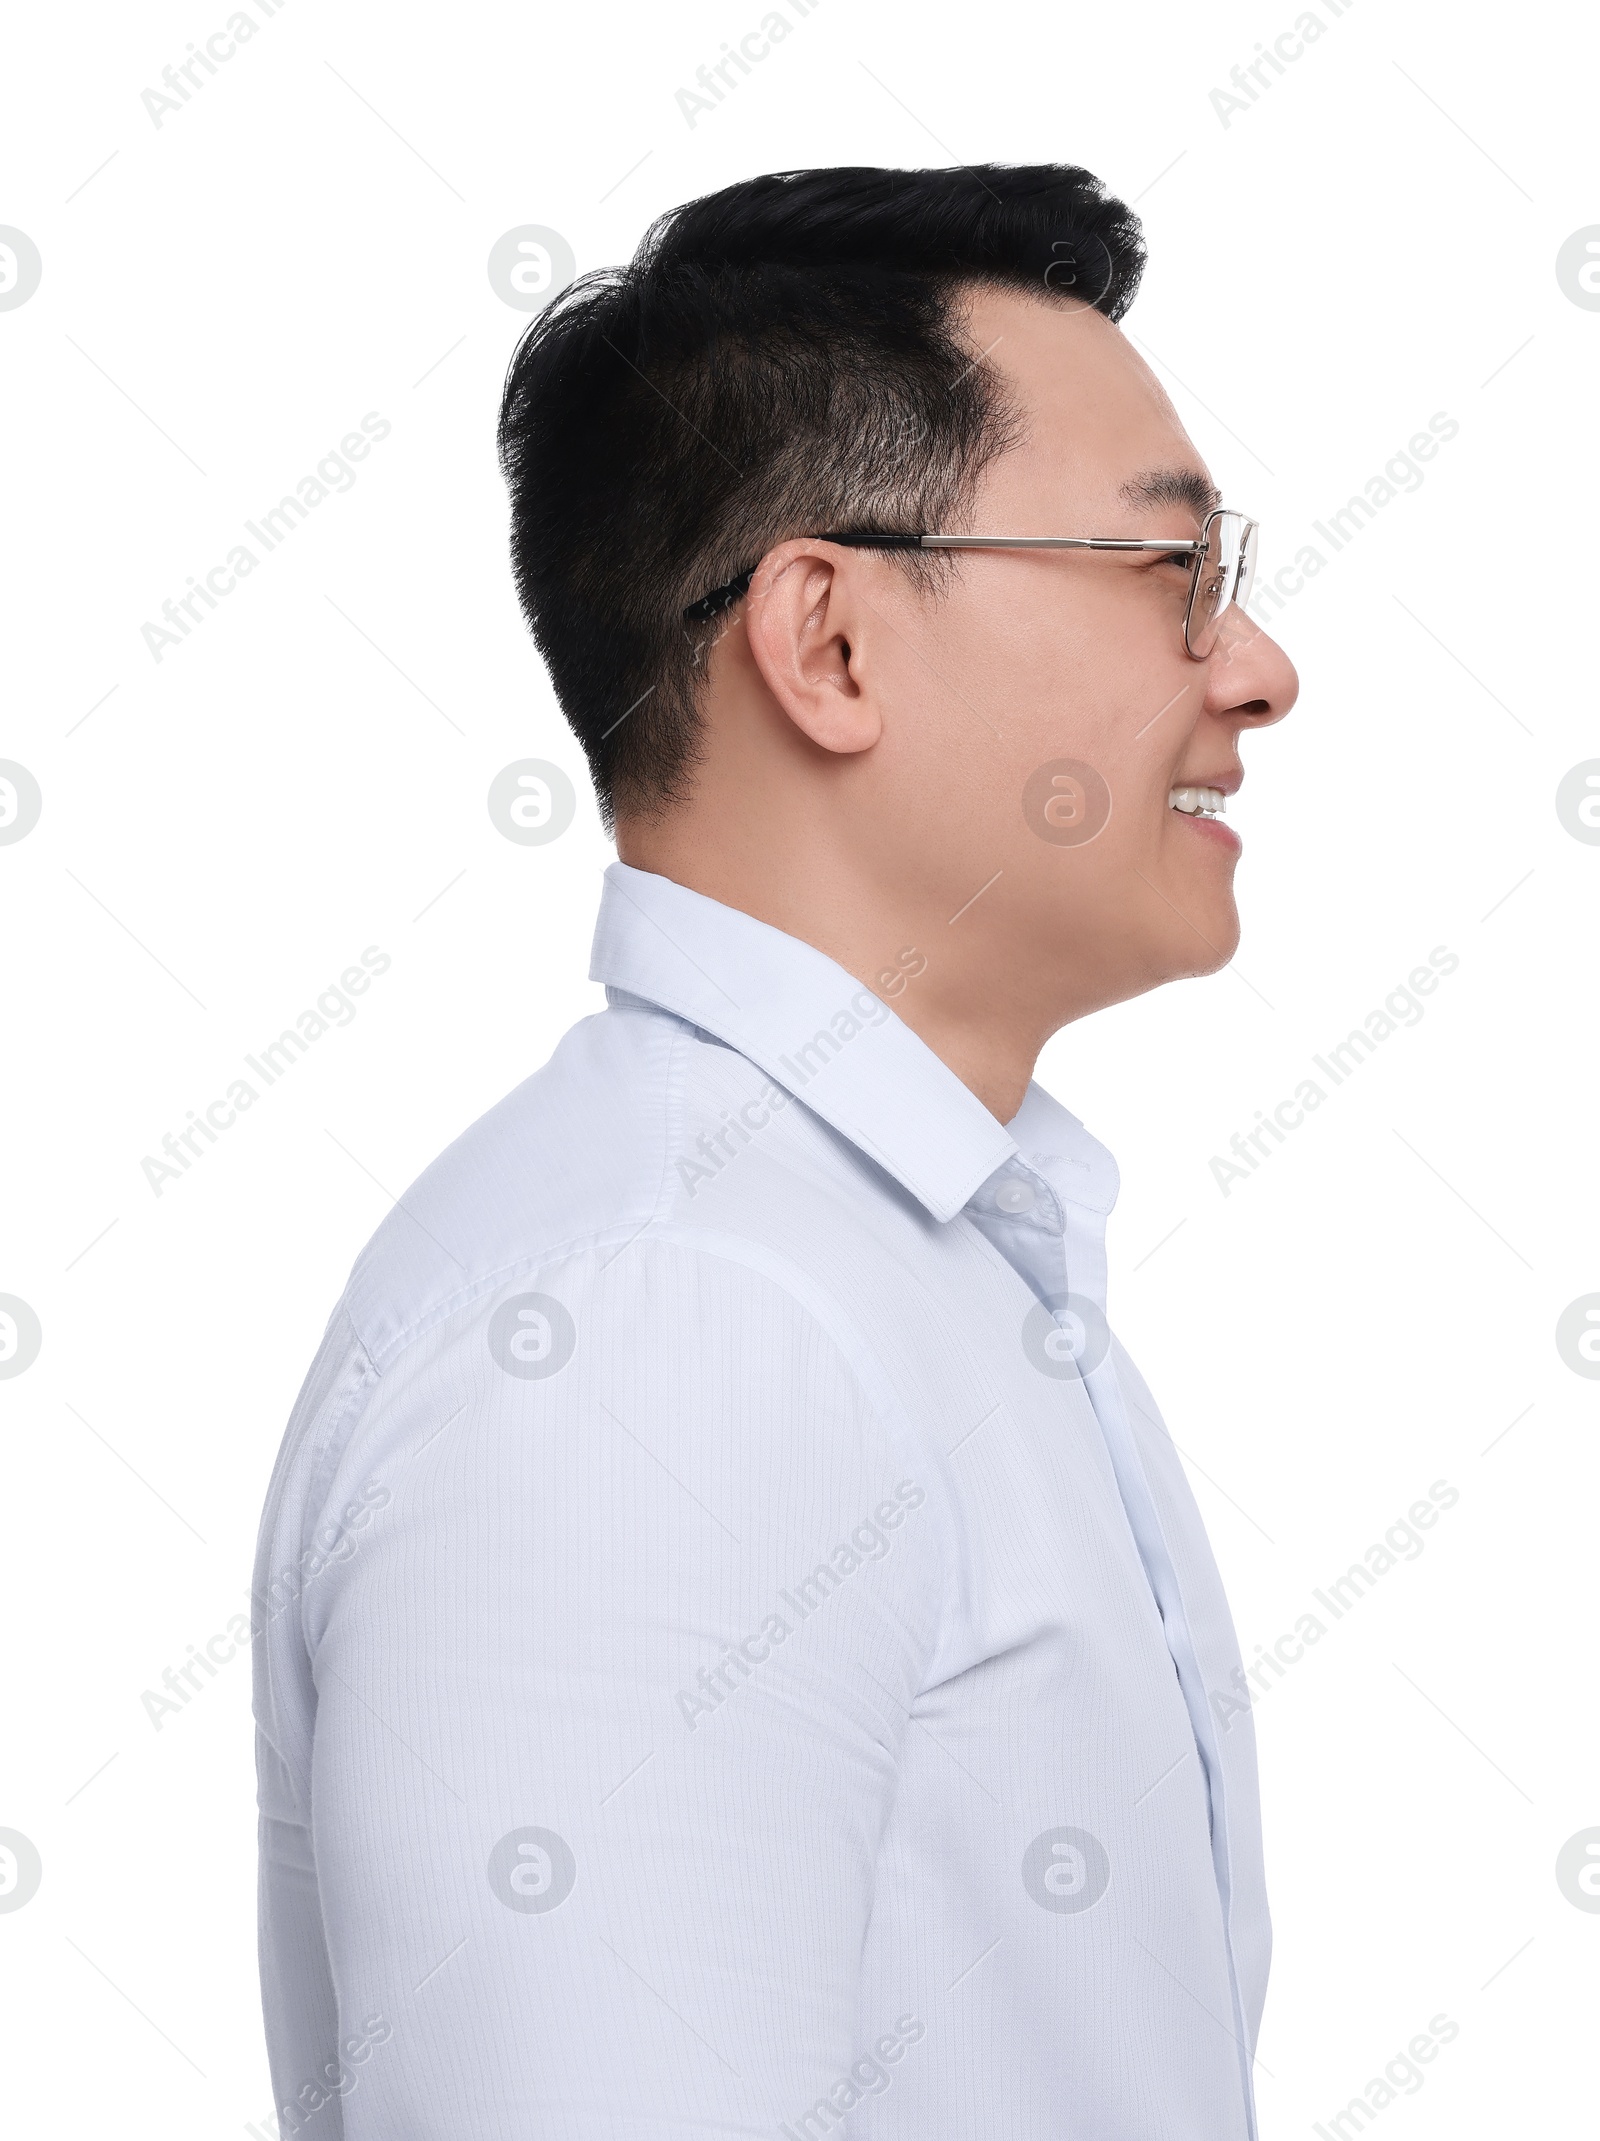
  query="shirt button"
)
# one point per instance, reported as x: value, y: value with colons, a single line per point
x: 1014, y: 1196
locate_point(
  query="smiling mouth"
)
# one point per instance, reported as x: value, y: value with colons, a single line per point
x: 1198, y: 802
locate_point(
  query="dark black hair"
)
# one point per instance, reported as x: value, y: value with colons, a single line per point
x: 777, y: 360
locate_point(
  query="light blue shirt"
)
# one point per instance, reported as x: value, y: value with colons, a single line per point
x: 737, y: 1651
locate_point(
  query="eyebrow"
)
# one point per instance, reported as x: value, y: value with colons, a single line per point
x: 1173, y: 487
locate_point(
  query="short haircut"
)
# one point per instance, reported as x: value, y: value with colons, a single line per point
x: 778, y: 359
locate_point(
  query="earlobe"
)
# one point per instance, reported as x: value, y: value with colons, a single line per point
x: 796, y: 620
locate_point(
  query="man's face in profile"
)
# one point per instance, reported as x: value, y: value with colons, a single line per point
x: 1041, y: 708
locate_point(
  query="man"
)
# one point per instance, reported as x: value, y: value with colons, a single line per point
x: 737, y: 1637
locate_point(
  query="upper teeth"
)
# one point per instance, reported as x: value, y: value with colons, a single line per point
x: 1198, y: 802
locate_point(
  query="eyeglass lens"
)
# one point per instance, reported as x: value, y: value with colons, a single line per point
x: 1224, y: 575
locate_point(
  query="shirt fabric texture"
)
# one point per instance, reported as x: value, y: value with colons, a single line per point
x: 735, y: 1643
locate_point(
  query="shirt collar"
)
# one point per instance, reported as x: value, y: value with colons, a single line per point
x: 1071, y: 1159
x: 813, y: 1028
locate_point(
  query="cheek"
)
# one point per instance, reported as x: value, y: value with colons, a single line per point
x: 1126, y: 785
x: 1097, y: 788
x: 1056, y: 656
x: 1034, y: 728
x: 1143, y: 783
x: 1086, y: 841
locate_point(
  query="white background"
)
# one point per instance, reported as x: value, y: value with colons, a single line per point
x: 223, y: 297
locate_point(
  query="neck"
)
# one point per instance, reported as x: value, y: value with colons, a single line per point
x: 945, y: 979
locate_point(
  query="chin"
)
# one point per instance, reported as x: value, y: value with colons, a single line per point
x: 1226, y: 941
x: 1179, y: 954
x: 1208, y: 946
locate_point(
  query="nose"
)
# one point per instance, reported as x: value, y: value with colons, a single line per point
x: 1248, y: 675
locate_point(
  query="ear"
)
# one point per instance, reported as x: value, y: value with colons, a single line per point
x: 804, y: 622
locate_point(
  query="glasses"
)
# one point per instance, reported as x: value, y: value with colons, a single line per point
x: 1222, y: 571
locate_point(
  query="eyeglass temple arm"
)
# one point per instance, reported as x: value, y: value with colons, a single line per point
x: 722, y: 598
x: 1056, y: 542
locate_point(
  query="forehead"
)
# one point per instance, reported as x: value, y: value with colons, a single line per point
x: 1094, y: 416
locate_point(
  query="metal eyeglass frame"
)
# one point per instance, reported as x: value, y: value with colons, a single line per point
x: 1229, y: 536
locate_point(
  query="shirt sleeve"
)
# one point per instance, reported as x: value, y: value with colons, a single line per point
x: 611, y: 1597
